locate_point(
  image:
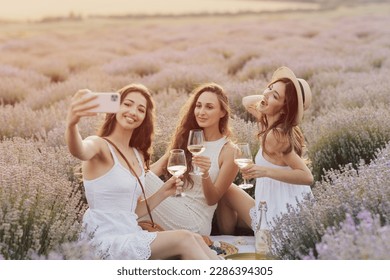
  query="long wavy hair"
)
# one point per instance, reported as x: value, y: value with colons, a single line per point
x: 188, y: 121
x: 143, y: 135
x: 284, y: 127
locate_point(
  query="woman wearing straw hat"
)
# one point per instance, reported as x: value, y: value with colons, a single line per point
x: 282, y: 177
x: 281, y: 174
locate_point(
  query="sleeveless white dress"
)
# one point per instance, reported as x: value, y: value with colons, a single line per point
x: 111, y: 219
x: 190, y: 212
x: 277, y: 194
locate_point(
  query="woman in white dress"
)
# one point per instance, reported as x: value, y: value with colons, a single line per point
x: 112, y: 191
x: 207, y: 109
x: 282, y: 176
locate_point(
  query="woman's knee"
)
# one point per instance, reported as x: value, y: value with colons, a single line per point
x: 230, y: 193
x: 185, y: 237
x: 198, y: 237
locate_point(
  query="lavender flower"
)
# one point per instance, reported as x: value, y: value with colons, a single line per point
x: 43, y: 65
x: 362, y: 238
x: 41, y: 204
x: 343, y: 193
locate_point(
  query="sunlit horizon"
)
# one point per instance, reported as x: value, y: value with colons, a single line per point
x: 24, y: 10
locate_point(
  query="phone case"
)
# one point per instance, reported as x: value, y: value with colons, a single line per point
x: 109, y: 102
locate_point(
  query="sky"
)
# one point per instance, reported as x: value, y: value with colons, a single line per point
x: 37, y: 9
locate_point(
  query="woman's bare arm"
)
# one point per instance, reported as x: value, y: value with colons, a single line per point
x: 159, y: 166
x: 250, y: 104
x: 82, y: 149
x: 228, y: 171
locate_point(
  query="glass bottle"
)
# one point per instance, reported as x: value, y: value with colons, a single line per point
x: 262, y: 233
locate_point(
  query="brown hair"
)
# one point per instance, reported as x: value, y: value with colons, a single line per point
x: 188, y: 121
x: 284, y: 126
x: 142, y: 135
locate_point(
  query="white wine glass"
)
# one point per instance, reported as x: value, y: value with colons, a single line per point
x: 177, y: 166
x: 243, y: 157
x: 196, y: 146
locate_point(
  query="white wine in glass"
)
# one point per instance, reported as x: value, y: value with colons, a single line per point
x: 177, y: 166
x: 196, y: 146
x: 196, y: 149
x: 243, y: 157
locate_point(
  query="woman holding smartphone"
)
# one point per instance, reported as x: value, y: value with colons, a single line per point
x: 112, y: 190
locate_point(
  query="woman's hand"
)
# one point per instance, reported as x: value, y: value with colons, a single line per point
x: 204, y: 163
x: 253, y: 171
x: 166, y: 190
x: 170, y: 186
x: 80, y: 107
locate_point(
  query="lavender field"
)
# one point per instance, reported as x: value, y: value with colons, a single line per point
x: 343, y: 52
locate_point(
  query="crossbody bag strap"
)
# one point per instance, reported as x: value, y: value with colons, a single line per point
x: 135, y: 174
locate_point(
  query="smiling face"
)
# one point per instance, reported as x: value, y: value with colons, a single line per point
x: 274, y: 99
x: 132, y: 111
x: 208, y: 110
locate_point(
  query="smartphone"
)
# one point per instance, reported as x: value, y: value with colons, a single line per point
x: 108, y: 102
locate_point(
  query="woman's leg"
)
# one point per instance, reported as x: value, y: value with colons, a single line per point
x: 226, y: 217
x: 179, y: 243
x: 234, y: 205
x: 211, y: 254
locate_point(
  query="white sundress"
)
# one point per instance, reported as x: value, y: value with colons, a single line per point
x: 277, y: 194
x: 111, y: 219
x: 192, y: 211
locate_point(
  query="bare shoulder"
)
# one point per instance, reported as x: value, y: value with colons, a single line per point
x: 226, y: 157
x: 95, y: 138
x: 98, y: 144
x: 94, y: 141
x: 276, y: 142
x: 228, y: 149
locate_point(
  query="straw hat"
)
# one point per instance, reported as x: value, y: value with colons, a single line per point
x: 301, y: 86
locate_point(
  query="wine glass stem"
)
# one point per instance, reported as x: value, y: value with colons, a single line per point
x: 196, y: 168
x: 244, y: 181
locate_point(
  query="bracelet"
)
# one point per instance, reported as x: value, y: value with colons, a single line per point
x: 208, y: 176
